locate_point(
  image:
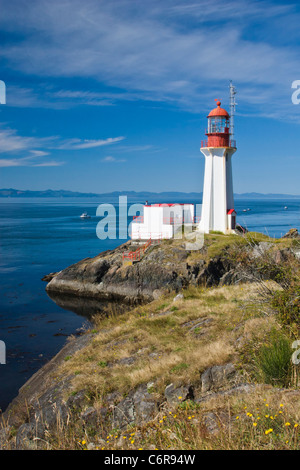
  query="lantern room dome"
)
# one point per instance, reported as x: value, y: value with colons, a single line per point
x: 218, y: 111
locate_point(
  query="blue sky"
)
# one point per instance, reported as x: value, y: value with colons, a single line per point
x: 113, y: 95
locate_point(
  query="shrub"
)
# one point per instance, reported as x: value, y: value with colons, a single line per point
x: 286, y: 303
x: 273, y: 361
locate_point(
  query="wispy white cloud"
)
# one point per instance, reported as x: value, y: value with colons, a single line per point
x: 49, y: 163
x: 38, y: 153
x: 29, y: 153
x: 58, y: 98
x: 135, y: 148
x: 10, y: 141
x: 176, y: 51
x: 110, y: 159
x: 9, y: 162
x: 77, y: 144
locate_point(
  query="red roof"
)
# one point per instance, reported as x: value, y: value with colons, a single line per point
x: 169, y: 205
x: 218, y: 111
x: 230, y: 211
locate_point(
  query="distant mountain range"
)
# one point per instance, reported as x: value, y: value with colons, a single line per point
x: 16, y: 193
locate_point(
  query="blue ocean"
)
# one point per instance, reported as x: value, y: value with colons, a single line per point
x: 40, y: 236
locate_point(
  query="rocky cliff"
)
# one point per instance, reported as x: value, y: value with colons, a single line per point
x: 105, y: 277
x: 167, y: 267
x: 185, y: 350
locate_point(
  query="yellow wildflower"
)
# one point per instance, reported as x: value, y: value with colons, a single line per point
x: 268, y: 431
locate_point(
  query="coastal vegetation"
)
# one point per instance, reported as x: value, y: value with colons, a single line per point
x: 208, y: 367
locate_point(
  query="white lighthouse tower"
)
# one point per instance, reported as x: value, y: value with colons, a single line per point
x: 217, y: 203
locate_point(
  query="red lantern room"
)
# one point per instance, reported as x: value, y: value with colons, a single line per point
x: 218, y: 128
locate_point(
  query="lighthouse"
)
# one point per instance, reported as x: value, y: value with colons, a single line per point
x: 217, y: 203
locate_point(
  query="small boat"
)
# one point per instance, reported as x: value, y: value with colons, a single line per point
x: 85, y: 216
x: 285, y: 208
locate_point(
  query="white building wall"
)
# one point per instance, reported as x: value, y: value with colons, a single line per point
x: 156, y: 221
x: 230, y: 200
x: 217, y: 189
x: 207, y: 208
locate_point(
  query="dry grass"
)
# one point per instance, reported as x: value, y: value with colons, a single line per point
x: 266, y: 419
x: 166, y: 350
x: 160, y: 341
x: 174, y: 342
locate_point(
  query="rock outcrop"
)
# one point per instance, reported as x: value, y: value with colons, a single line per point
x: 49, y: 399
x: 163, y: 268
x: 292, y: 233
x: 45, y: 402
x: 105, y: 278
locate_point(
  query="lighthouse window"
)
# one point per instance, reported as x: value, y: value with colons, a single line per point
x: 217, y: 124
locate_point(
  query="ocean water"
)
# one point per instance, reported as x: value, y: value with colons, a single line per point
x: 39, y: 236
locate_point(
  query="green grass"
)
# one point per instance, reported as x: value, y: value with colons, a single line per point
x: 179, y: 367
x: 273, y: 361
x: 102, y: 363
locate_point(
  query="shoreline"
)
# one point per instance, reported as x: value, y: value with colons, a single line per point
x: 49, y: 392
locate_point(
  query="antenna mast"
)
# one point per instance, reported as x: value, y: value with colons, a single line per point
x: 232, y: 107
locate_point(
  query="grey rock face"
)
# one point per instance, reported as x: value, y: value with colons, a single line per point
x: 260, y: 249
x: 4, y: 436
x: 123, y: 413
x: 105, y: 278
x: 162, y: 269
x: 28, y: 437
x: 214, y: 422
x: 216, y: 377
x: 178, y: 297
x: 93, y: 417
x: 178, y: 394
x: 50, y: 415
x: 78, y: 401
x: 138, y: 406
x: 292, y: 233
